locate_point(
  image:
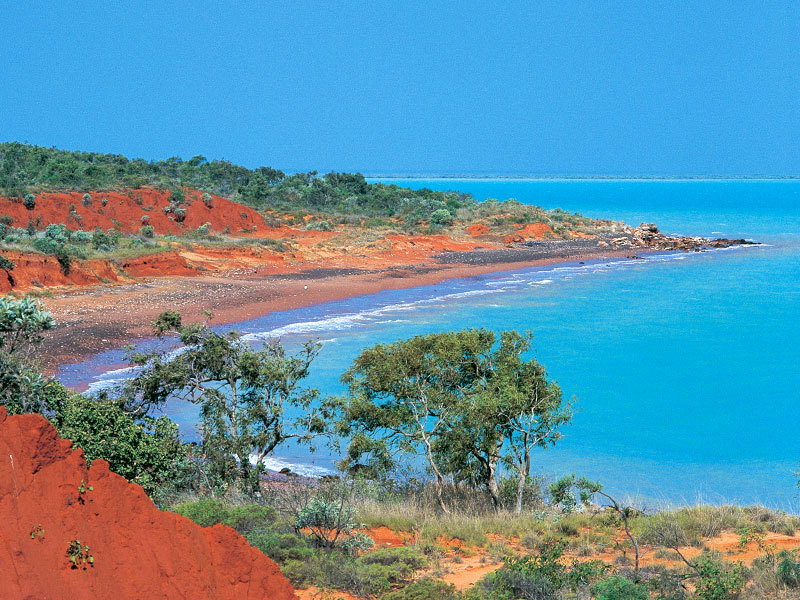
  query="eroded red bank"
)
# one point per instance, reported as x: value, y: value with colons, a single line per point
x: 138, y: 551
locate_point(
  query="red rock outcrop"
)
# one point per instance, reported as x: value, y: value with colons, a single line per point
x: 138, y: 551
x: 129, y: 210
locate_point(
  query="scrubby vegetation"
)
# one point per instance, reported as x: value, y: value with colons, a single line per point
x: 565, y: 539
x: 344, y: 197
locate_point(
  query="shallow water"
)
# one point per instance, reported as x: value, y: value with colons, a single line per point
x: 684, y: 366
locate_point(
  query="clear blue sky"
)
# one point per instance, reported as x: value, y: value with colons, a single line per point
x: 422, y: 87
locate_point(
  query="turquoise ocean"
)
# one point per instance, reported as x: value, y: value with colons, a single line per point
x: 684, y: 367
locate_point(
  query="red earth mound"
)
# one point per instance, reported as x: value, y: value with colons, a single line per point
x: 137, y: 550
x: 37, y: 270
x: 535, y: 231
x: 129, y: 210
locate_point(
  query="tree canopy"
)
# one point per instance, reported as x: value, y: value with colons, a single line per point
x: 251, y: 400
x: 464, y: 400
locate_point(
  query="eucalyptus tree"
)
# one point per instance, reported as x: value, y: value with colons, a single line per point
x: 511, y: 409
x: 251, y: 400
x: 405, y: 396
x: 463, y: 401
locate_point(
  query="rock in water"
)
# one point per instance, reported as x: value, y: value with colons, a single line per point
x: 49, y: 500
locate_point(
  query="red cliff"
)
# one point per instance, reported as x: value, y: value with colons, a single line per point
x: 49, y: 498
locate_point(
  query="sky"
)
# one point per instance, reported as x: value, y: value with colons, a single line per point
x: 624, y: 88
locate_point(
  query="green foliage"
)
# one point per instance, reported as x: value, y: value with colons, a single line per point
x: 37, y: 532
x: 204, y: 229
x: 458, y: 399
x: 104, y: 241
x: 148, y: 452
x: 537, y: 577
x: 6, y: 264
x: 426, y: 588
x: 441, y: 216
x: 716, y: 579
x: 331, y: 523
x: 56, y: 242
x: 30, y: 201
x: 147, y: 231
x: 788, y: 570
x: 319, y: 226
x: 243, y: 518
x: 246, y: 395
x: 87, y: 200
x: 619, y: 588
x: 79, y: 555
x: 23, y: 389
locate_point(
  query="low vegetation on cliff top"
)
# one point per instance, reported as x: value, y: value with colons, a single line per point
x: 467, y: 407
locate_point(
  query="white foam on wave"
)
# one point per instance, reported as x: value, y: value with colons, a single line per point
x: 383, y: 314
x: 274, y: 463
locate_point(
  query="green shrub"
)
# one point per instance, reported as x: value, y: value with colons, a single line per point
x: 243, y: 518
x: 330, y: 523
x: 280, y: 547
x: 426, y: 588
x: 147, y: 231
x: 441, y: 216
x: 204, y: 229
x: 146, y: 452
x: 788, y: 570
x: 319, y: 226
x: 81, y: 237
x: 180, y: 215
x: 87, y: 199
x: 619, y: 588
x: 30, y: 201
x: 404, y: 555
x: 717, y: 580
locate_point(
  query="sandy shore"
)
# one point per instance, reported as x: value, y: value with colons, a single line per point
x: 91, y: 320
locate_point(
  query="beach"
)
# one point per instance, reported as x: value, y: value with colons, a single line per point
x: 103, y: 317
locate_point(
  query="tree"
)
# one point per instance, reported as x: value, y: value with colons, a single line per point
x: 466, y: 403
x: 148, y: 452
x: 247, y: 396
x: 561, y: 493
x: 511, y: 409
x: 404, y: 397
x: 22, y: 387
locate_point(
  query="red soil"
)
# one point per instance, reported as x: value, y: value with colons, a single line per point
x: 36, y: 270
x: 477, y: 229
x: 532, y: 231
x: 129, y: 207
x: 138, y: 551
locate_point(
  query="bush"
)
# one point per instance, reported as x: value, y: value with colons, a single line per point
x: 81, y: 237
x: 441, y: 216
x: 410, y: 558
x: 146, y: 452
x: 244, y: 518
x: 331, y: 522
x: 717, y: 580
x: 619, y: 588
x: 318, y: 226
x: 87, y: 199
x: 30, y: 201
x: 180, y: 215
x: 147, y: 231
x: 208, y: 200
x: 280, y: 547
x: 788, y: 570
x: 426, y: 588
x: 204, y: 229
